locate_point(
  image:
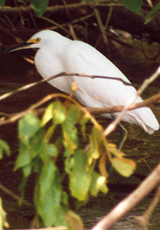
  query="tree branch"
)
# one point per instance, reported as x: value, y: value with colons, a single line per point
x: 7, y: 191
x: 56, y: 8
x: 131, y: 201
x: 144, y: 219
x: 30, y: 85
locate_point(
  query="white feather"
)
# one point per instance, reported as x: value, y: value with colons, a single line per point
x: 57, y: 54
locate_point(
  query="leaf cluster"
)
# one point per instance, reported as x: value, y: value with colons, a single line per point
x: 40, y: 150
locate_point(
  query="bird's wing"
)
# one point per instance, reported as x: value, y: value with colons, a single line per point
x: 84, y: 58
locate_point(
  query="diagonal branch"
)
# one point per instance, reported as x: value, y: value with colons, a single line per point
x: 147, y: 102
x: 131, y: 201
x: 14, y: 117
x: 30, y: 85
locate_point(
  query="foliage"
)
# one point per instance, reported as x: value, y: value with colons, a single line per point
x: 40, y: 151
x: 39, y: 6
x: 54, y: 138
x: 134, y: 6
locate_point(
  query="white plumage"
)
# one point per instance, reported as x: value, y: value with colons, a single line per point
x: 56, y: 54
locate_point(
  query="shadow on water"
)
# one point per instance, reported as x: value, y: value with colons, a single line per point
x: 139, y: 146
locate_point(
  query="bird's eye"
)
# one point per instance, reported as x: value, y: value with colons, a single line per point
x: 38, y: 40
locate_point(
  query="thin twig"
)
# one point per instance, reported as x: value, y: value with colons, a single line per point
x: 101, y: 27
x: 14, y: 117
x: 112, y: 109
x: 20, y: 15
x: 144, y: 219
x: 150, y: 3
x: 108, y: 18
x: 19, y: 115
x: 55, y: 23
x: 56, y: 8
x: 82, y: 19
x: 30, y: 85
x: 146, y: 102
x: 131, y: 201
x: 49, y: 228
x: 72, y: 32
x: 7, y: 191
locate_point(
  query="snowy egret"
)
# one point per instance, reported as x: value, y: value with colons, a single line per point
x: 57, y: 53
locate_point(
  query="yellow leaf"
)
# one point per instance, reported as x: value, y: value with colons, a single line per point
x: 124, y: 166
x: 74, y: 220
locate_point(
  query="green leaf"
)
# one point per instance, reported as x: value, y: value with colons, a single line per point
x: 74, y: 220
x: 48, y: 115
x: 29, y: 150
x: 83, y: 122
x: 70, y: 140
x: 48, y: 197
x: 95, y: 143
x: 28, y: 126
x: 47, y: 177
x: 73, y: 114
x: 55, y: 111
x: 152, y: 13
x: 47, y: 151
x: 2, y: 3
x: 70, y: 131
x: 51, y: 150
x: 134, y: 6
x: 39, y: 6
x: 27, y: 169
x: 124, y: 166
x: 4, y: 147
x: 98, y: 184
x: 23, y: 158
x: 80, y: 176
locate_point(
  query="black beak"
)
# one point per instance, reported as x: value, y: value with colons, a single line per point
x: 20, y: 46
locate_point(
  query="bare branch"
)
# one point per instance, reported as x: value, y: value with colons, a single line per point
x: 113, y: 109
x: 101, y: 27
x: 49, y: 228
x: 28, y: 86
x: 56, y: 8
x: 7, y: 191
x: 13, y: 118
x: 131, y: 201
x: 144, y: 219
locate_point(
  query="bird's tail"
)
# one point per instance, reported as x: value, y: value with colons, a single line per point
x: 143, y: 117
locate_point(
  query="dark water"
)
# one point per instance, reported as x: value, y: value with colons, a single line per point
x: 139, y: 146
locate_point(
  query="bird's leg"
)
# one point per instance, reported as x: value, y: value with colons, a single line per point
x: 124, y: 134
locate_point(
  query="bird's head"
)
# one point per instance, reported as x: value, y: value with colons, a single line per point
x: 38, y: 40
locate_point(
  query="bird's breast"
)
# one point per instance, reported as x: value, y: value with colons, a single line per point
x: 49, y: 65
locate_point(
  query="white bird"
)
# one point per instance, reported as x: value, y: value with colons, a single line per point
x: 57, y: 53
